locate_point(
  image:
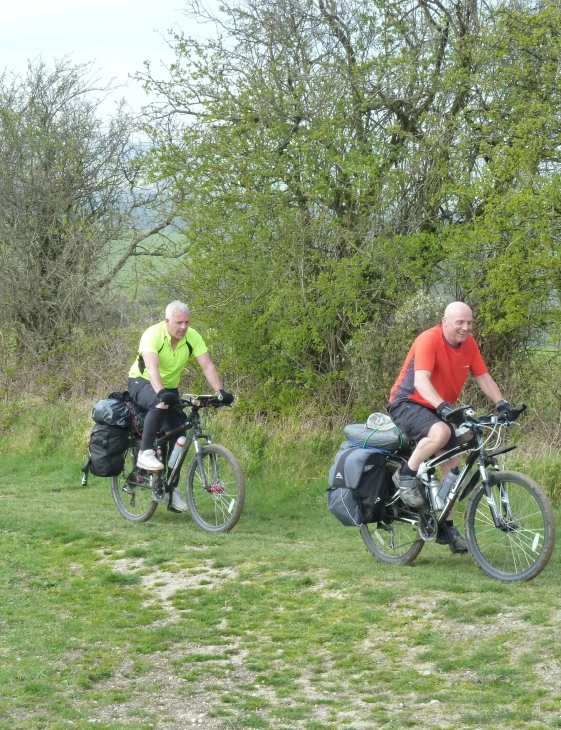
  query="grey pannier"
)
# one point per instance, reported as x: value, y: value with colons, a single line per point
x: 379, y: 432
x: 118, y: 409
x: 356, y: 492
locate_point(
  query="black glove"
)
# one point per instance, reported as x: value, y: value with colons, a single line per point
x: 168, y: 396
x: 446, y: 412
x: 225, y: 398
x: 509, y: 412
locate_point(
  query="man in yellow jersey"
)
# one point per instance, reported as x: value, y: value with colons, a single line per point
x: 154, y: 378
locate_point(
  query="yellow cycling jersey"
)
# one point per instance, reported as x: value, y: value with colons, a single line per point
x: 170, y: 362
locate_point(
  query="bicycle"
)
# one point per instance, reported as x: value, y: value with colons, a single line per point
x: 509, y: 522
x: 214, y: 483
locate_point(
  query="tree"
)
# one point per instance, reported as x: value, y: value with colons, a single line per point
x: 341, y: 157
x: 75, y: 205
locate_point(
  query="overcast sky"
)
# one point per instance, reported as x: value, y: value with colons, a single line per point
x: 119, y: 35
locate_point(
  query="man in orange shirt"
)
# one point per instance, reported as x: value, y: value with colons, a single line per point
x: 431, y: 379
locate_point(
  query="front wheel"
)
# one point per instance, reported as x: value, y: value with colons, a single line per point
x: 520, y: 547
x: 216, y: 494
x: 132, y: 491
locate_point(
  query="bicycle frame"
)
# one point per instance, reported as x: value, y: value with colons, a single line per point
x: 467, y: 478
x: 194, y: 432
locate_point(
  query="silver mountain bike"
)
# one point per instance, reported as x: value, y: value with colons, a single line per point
x: 215, y: 487
x: 509, y: 522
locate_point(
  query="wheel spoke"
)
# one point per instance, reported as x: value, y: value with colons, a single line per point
x: 216, y: 494
x: 395, y: 542
x: 132, y: 492
x: 521, y: 545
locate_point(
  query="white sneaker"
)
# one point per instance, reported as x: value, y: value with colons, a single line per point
x: 177, y: 503
x: 147, y: 460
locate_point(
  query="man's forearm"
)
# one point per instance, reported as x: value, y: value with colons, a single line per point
x: 489, y: 387
x: 212, y: 377
x: 154, y: 377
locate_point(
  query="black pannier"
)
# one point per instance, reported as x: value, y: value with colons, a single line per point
x: 107, y: 448
x: 371, y: 489
x: 357, y: 486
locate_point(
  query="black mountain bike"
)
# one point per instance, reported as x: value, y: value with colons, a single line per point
x: 214, y: 483
x: 509, y: 522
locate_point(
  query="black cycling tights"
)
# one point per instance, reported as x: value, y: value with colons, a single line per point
x: 152, y: 424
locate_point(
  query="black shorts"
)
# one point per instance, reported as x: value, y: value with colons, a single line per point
x: 415, y: 421
x: 143, y: 393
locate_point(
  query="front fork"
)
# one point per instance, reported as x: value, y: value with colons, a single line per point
x: 202, y: 471
x: 499, y: 513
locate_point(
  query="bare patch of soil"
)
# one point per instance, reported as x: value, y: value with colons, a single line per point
x: 163, y: 698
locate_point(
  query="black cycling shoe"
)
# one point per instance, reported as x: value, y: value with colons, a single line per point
x: 451, y: 536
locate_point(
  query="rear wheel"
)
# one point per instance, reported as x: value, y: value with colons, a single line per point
x: 520, y: 548
x: 394, y: 540
x: 132, y: 491
x: 216, y: 494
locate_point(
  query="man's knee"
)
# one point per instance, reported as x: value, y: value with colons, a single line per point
x: 440, y: 434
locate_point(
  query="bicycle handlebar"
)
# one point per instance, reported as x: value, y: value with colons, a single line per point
x: 487, y: 418
x: 200, y: 401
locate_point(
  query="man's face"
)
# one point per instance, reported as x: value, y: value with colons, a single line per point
x: 457, y: 327
x: 178, y: 324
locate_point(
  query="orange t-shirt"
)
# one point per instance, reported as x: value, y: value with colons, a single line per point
x: 449, y: 367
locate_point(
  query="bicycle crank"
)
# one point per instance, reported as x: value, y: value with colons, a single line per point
x: 428, y: 526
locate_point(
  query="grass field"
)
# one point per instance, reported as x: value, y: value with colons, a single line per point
x: 285, y: 623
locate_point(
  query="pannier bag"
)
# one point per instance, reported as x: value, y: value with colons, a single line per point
x: 357, y: 486
x: 117, y: 419
x: 107, y: 448
x: 379, y: 432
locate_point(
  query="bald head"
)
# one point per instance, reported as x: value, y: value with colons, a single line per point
x: 457, y: 309
x: 457, y: 323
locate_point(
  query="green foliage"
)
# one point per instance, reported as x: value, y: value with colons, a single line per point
x: 346, y: 171
x: 343, y: 163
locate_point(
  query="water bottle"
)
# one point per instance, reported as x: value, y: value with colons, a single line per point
x: 173, y: 457
x: 448, y: 483
x: 434, y: 486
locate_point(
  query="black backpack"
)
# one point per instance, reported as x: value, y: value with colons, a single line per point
x: 107, y: 448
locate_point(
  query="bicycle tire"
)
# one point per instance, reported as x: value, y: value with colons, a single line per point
x: 134, y: 501
x: 521, y: 548
x: 219, y: 508
x: 392, y: 540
